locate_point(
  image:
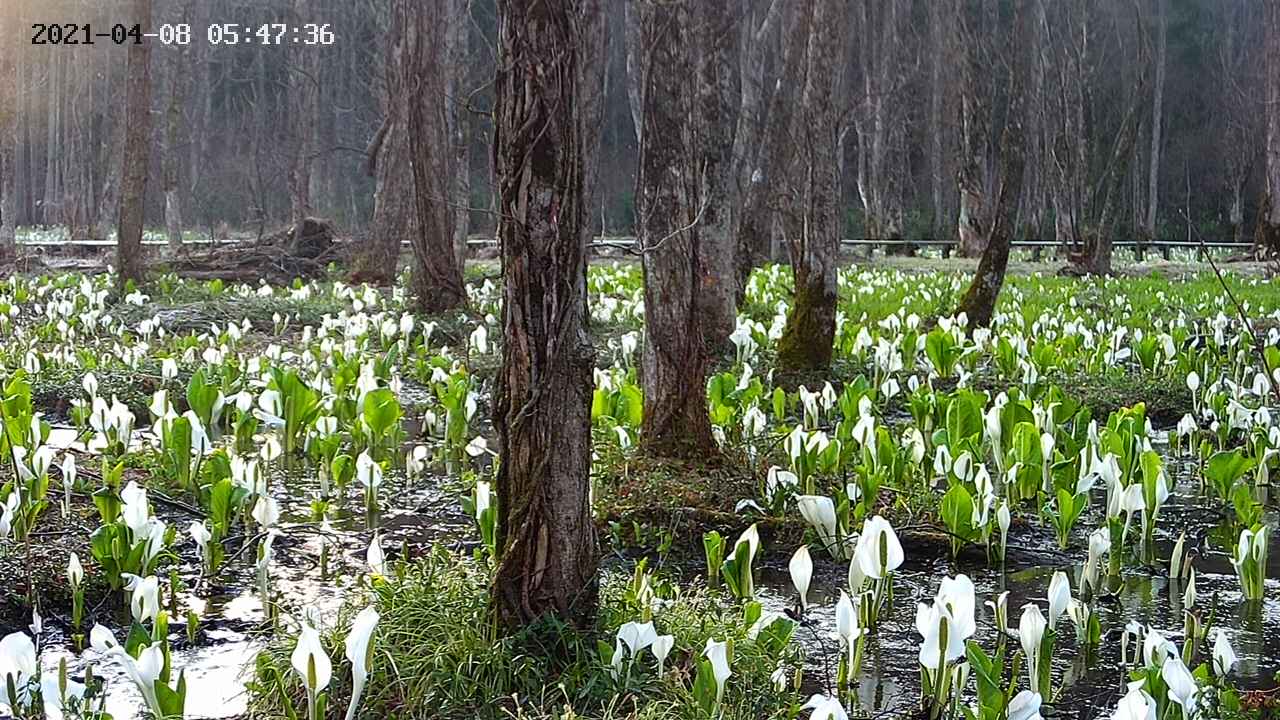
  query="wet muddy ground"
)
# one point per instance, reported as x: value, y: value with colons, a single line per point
x: 425, y: 511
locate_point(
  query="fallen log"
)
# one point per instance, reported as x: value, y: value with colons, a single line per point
x: 302, y: 251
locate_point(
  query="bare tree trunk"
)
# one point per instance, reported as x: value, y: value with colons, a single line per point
x: 302, y: 92
x: 458, y: 119
x: 718, y: 95
x: 772, y: 139
x: 937, y: 173
x: 202, y: 91
x: 1268, y: 235
x: 1157, y: 119
x: 52, y: 204
x: 670, y: 197
x: 171, y: 160
x: 437, y: 276
x: 635, y: 65
x: 395, y: 219
x: 973, y: 225
x: 542, y: 406
x: 137, y: 151
x: 9, y: 109
x: 879, y: 119
x: 979, y: 302
x: 813, y: 222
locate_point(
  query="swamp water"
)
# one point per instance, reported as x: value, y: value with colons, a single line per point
x: 1088, y: 684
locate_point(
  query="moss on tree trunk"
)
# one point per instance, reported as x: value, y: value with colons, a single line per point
x: 807, y: 339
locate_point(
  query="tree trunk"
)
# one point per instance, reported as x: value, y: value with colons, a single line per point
x: 669, y: 200
x: 879, y: 121
x: 717, y: 74
x: 773, y: 145
x: 1268, y: 236
x: 302, y: 92
x: 542, y: 404
x: 394, y: 211
x: 813, y: 224
x: 137, y: 152
x: 387, y: 159
x: 458, y: 118
x: 51, y: 208
x: 172, y: 155
x: 9, y: 107
x: 1157, y: 119
x: 437, y: 276
x: 937, y: 173
x: 979, y: 302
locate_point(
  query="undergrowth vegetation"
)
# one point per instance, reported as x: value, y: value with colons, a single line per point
x: 286, y: 465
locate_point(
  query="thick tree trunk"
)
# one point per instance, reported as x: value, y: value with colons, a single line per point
x: 395, y: 219
x: 813, y: 225
x: 1268, y: 236
x: 437, y: 276
x: 395, y: 215
x: 669, y: 199
x: 715, y: 38
x: 542, y: 406
x: 137, y: 152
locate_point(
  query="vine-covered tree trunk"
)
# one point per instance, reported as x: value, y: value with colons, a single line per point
x: 437, y: 275
x: 813, y: 224
x: 670, y: 197
x: 1268, y: 237
x: 542, y: 406
x: 137, y: 152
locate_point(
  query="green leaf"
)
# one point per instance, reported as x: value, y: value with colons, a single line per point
x: 957, y: 512
x: 381, y: 410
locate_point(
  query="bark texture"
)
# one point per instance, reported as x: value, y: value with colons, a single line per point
x: 766, y: 144
x: 1268, y: 240
x: 542, y: 406
x: 879, y: 119
x: 9, y: 25
x: 137, y: 152
x: 1157, y: 120
x: 812, y: 218
x: 715, y: 38
x: 671, y: 203
x: 303, y: 91
x: 979, y: 301
x: 172, y: 155
x: 437, y: 275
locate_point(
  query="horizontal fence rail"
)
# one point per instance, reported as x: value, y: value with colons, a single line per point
x: 624, y: 242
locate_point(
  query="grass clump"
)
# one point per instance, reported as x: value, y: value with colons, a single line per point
x: 438, y: 655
